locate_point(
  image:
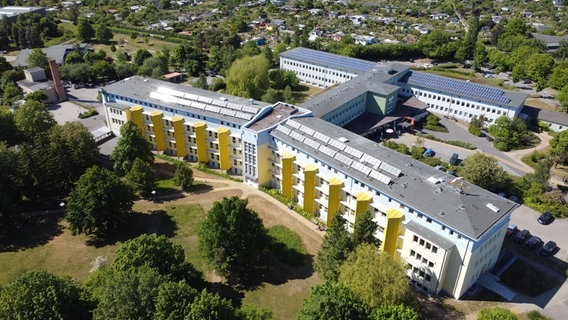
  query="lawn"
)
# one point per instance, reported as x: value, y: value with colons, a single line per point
x: 527, y: 280
x: 48, y: 244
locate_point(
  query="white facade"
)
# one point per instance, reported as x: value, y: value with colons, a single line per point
x: 315, y: 75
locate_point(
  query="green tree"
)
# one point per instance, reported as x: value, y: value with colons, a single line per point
x: 33, y: 119
x: 331, y: 301
x: 11, y: 93
x: 9, y: 132
x: 140, y: 55
x: 287, y: 95
x: 174, y: 301
x: 365, y: 227
x: 37, y: 58
x: 39, y: 294
x: 433, y: 120
x: 125, y: 70
x: 201, y: 82
x: 79, y: 72
x: 104, y: 70
x: 480, y: 56
x: 38, y: 96
x: 484, y: 171
x: 496, y: 313
x: 10, y: 184
x: 252, y: 312
x: 559, y: 76
x: 158, y: 253
x: 125, y: 295
x: 99, y: 203
x: 183, y: 176
x: 223, y: 243
x: 4, y: 65
x: 336, y: 247
x: 154, y: 67
x: 271, y: 96
x: 130, y: 146
x: 142, y: 177
x: 509, y: 133
x: 559, y: 146
x: 103, y: 33
x: 562, y: 97
x: 375, y: 278
x: 394, y: 312
x: 248, y: 77
x: 476, y: 124
x: 85, y: 31
x: 208, y: 306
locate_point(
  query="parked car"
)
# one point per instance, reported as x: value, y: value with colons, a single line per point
x: 522, y: 236
x: 545, y: 218
x: 441, y: 168
x: 548, y: 249
x: 511, y: 229
x: 533, y: 242
x: 454, y: 159
x: 429, y: 153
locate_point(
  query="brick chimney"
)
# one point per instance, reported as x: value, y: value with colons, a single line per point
x: 57, y: 81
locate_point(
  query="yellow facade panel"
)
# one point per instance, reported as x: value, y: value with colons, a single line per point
x: 334, y: 197
x: 179, y: 136
x: 287, y: 170
x: 158, y: 130
x: 394, y: 219
x: 201, y: 141
x: 224, y: 153
x: 310, y: 172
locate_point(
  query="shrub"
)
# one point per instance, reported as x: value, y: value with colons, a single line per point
x: 88, y: 113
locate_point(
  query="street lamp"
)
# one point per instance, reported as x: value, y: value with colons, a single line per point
x: 154, y: 195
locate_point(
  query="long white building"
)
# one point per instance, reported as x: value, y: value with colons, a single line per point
x: 443, y: 96
x: 448, y: 231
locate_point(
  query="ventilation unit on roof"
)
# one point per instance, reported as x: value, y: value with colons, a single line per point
x: 435, y: 180
x: 344, y: 140
x: 492, y: 207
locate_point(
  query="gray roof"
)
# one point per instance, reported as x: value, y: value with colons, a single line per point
x: 465, y: 212
x: 551, y: 41
x: 547, y: 115
x: 372, y: 81
x: 429, y: 235
x: 329, y: 60
x: 197, y: 101
x: 13, y: 11
x: 58, y: 53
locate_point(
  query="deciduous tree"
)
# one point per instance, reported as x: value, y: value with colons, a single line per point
x: 33, y: 119
x: 336, y: 247
x: 394, y: 312
x: 99, y: 203
x: 37, y: 58
x: 331, y: 301
x: 223, y: 243
x: 174, y: 301
x: 208, y: 306
x: 484, y: 171
x: 248, y: 77
x: 375, y: 278
x: 130, y: 146
x: 140, y: 55
x: 183, y: 176
x: 103, y: 33
x: 41, y: 295
x: 9, y: 132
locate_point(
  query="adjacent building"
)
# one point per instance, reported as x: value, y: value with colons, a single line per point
x: 443, y: 96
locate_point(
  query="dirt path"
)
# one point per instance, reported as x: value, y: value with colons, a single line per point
x: 270, y: 210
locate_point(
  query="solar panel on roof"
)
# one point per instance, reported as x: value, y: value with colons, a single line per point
x: 242, y: 115
x: 330, y: 60
x: 190, y: 96
x: 283, y: 129
x: 361, y: 167
x: 170, y: 91
x: 337, y: 144
x: 327, y: 151
x: 342, y: 158
x: 234, y: 106
x: 322, y: 137
x: 371, y: 160
x: 390, y: 169
x: 228, y: 112
x: 297, y: 136
x: 457, y: 86
x: 380, y: 177
x: 212, y: 108
x: 219, y: 103
x: 184, y: 102
x: 293, y: 124
x: 354, y: 152
x: 198, y: 105
x: 205, y: 99
x: 308, y: 131
x: 312, y: 143
x: 249, y: 109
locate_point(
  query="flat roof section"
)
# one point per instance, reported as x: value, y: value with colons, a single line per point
x: 280, y: 112
x: 329, y: 60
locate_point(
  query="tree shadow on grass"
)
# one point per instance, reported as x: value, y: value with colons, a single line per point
x: 200, y: 188
x: 276, y: 272
x: 136, y: 224
x: 32, y: 231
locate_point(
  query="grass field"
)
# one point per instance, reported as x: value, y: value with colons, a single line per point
x: 48, y: 244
